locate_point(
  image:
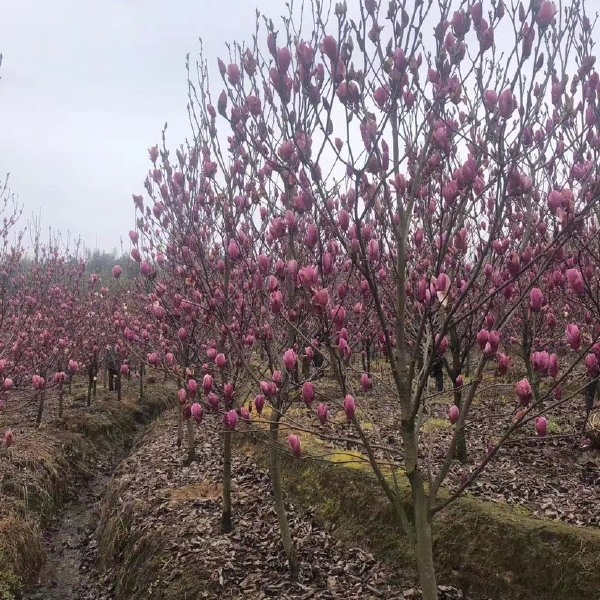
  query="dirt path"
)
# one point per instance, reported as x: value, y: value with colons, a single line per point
x: 69, y: 572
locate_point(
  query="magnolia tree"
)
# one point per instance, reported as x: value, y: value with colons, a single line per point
x: 184, y: 233
x: 167, y: 336
x: 357, y: 183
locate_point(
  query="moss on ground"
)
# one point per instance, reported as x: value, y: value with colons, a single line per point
x: 487, y: 549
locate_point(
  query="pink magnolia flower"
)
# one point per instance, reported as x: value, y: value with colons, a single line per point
x: 592, y: 366
x: 213, y: 401
x: 207, y: 383
x: 290, y: 359
x: 329, y: 47
x: 233, y: 250
x: 524, y: 391
x: 277, y: 378
x: 308, y: 393
x: 230, y: 420
x: 381, y: 96
x: 442, y: 285
x: 220, y: 361
x: 573, y: 336
x: 322, y: 413
x: 349, y: 407
x: 490, y: 99
x: 39, y: 383
x: 482, y: 338
x: 541, y: 362
x: 553, y: 365
x: 541, y: 426
x: 366, y: 382
x: 245, y: 414
x: 506, y: 104
x: 545, y: 14
x: 536, y: 299
x: 294, y: 443
x: 192, y: 387
x: 259, y: 403
x: 197, y: 412
x: 228, y: 391
x: 146, y: 268
x: 233, y: 74
x: 453, y: 414
x: 575, y: 279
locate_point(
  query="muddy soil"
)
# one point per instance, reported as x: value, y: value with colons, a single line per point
x: 69, y: 572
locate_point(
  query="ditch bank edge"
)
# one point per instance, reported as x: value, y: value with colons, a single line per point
x: 56, y: 459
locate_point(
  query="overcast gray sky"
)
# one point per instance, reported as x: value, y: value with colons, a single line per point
x: 87, y: 86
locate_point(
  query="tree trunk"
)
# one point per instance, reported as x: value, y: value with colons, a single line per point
x: 461, y: 453
x: 89, y: 389
x: 179, y: 440
x: 305, y: 367
x: 424, y: 552
x: 284, y: 527
x: 335, y: 366
x: 226, y: 523
x: 104, y: 377
x: 422, y: 525
x: 119, y: 395
x: 191, y: 444
x: 40, y: 410
x: 61, y: 393
x: 141, y: 381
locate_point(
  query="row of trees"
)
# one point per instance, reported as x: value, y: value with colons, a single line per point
x: 358, y: 185
x: 57, y: 317
x: 352, y: 186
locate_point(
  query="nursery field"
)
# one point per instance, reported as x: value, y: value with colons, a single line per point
x: 350, y: 348
x: 103, y: 504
